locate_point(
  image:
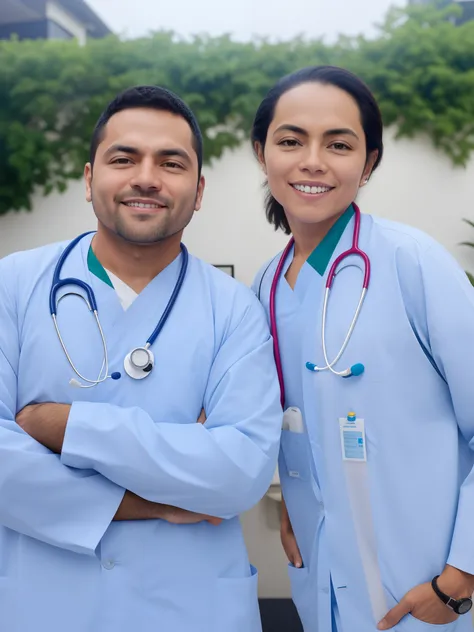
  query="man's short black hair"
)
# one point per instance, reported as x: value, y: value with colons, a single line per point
x: 153, y: 97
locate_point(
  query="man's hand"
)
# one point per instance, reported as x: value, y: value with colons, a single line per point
x: 423, y: 603
x: 133, y: 507
x: 46, y: 423
x: 288, y: 538
x: 175, y: 515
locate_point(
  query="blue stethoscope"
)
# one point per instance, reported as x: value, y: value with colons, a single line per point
x: 139, y: 363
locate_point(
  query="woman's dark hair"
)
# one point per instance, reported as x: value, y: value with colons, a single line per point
x: 330, y: 75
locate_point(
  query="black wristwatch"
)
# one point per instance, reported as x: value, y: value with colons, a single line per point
x: 460, y: 606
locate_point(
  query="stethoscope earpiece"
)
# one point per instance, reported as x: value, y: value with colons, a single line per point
x: 354, y: 371
x: 357, y: 369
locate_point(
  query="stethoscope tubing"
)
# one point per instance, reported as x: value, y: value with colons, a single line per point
x: 58, y: 283
x: 354, y: 250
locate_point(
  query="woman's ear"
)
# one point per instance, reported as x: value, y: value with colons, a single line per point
x: 369, y: 166
x: 261, y: 156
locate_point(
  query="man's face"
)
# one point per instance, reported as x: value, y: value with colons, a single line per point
x: 144, y: 185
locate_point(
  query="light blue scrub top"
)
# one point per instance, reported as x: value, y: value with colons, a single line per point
x: 64, y: 562
x: 415, y: 336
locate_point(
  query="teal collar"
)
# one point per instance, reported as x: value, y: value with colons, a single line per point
x: 321, y: 255
x: 96, y: 268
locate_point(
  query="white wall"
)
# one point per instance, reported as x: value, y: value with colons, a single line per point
x: 415, y: 185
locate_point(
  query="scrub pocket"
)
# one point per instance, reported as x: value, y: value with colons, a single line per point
x: 236, y: 604
x: 304, y: 598
x: 410, y: 624
x: 295, y: 449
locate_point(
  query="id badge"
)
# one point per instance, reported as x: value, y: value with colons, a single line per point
x: 353, y: 438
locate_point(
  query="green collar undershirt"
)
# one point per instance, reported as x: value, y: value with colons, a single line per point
x: 321, y: 255
x: 318, y: 259
x: 96, y: 268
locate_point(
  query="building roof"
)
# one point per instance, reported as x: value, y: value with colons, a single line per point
x: 14, y: 11
x: 83, y: 12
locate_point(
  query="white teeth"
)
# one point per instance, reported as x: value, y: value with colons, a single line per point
x: 313, y: 190
x: 140, y: 205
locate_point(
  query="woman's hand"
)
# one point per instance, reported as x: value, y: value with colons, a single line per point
x: 288, y: 538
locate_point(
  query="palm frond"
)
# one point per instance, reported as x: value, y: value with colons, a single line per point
x: 468, y: 221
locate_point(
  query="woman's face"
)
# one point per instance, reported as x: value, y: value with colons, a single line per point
x: 315, y: 154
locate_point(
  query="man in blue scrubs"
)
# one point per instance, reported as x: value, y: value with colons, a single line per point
x: 118, y: 511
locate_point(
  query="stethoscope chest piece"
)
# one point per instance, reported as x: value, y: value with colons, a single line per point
x: 139, y: 363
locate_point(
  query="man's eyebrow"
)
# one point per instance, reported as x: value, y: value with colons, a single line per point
x: 123, y: 149
x: 164, y: 153
x: 174, y: 151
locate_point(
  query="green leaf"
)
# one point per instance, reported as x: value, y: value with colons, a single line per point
x: 420, y: 67
x: 468, y: 221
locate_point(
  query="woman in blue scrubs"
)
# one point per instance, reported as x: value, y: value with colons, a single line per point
x: 377, y: 449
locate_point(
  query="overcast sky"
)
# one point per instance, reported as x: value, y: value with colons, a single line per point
x: 280, y: 19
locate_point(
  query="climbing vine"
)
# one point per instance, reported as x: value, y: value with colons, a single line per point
x: 420, y: 66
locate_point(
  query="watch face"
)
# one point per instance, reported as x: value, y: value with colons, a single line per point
x: 464, y: 606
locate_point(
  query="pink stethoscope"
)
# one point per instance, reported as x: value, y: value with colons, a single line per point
x: 354, y: 370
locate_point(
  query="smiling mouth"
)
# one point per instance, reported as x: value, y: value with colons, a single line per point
x: 312, y: 190
x: 147, y: 206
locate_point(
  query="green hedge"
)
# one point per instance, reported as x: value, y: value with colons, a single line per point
x: 420, y: 66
